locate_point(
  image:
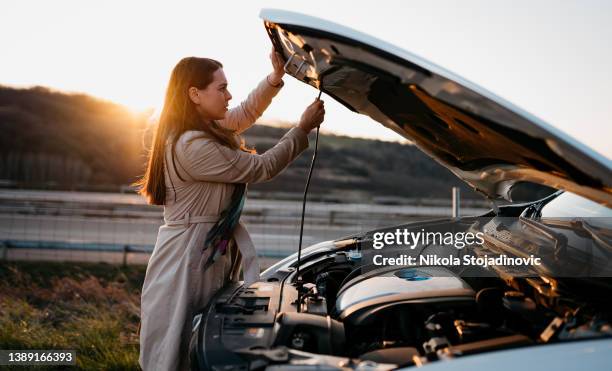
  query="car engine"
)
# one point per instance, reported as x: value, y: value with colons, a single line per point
x: 339, y: 310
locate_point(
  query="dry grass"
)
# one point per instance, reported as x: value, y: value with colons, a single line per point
x: 93, y: 308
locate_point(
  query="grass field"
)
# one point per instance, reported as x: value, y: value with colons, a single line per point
x: 92, y: 308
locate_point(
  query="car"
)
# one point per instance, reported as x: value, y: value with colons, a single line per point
x: 532, y: 284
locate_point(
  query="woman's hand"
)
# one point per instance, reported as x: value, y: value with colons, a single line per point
x: 279, y: 68
x: 313, y: 116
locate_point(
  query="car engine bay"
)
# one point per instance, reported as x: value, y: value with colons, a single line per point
x: 348, y: 313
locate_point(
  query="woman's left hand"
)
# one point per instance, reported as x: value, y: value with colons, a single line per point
x: 279, y: 67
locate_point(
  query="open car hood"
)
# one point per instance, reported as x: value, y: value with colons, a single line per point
x: 486, y: 141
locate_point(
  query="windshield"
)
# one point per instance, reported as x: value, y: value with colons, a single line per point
x: 569, y: 205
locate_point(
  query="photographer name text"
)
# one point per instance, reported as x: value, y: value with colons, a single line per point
x: 466, y: 260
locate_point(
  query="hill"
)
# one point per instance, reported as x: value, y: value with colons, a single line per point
x: 54, y: 140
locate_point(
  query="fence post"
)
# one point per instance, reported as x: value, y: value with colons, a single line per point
x: 456, y: 202
x: 126, y: 248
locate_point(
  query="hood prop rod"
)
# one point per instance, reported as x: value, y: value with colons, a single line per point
x: 300, y: 283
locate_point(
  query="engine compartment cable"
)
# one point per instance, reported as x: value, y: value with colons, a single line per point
x: 312, y: 164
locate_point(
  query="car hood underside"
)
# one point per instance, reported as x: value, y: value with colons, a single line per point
x: 484, y: 140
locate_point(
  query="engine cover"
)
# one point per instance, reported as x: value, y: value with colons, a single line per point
x: 382, y: 288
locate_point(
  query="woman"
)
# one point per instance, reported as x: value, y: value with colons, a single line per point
x: 196, y: 164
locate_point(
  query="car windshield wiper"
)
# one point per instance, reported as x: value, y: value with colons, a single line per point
x: 558, y: 239
x: 596, y: 234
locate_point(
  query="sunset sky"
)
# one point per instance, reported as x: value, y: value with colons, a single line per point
x: 551, y: 58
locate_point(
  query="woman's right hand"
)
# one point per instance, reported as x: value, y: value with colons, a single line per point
x: 313, y: 116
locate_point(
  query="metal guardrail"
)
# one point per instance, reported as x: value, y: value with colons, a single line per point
x: 68, y: 224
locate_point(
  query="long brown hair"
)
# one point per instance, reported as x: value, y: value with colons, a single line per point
x: 179, y: 115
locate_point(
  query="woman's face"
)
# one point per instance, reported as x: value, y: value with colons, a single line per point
x: 212, y: 102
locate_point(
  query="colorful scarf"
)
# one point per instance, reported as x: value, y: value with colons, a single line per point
x: 220, y: 235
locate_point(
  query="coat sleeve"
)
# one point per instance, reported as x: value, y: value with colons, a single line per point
x: 207, y: 160
x: 244, y: 115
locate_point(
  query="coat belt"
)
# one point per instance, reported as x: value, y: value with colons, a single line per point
x: 250, y: 263
x: 188, y: 219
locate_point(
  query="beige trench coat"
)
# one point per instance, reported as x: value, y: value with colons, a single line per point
x: 175, y: 284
